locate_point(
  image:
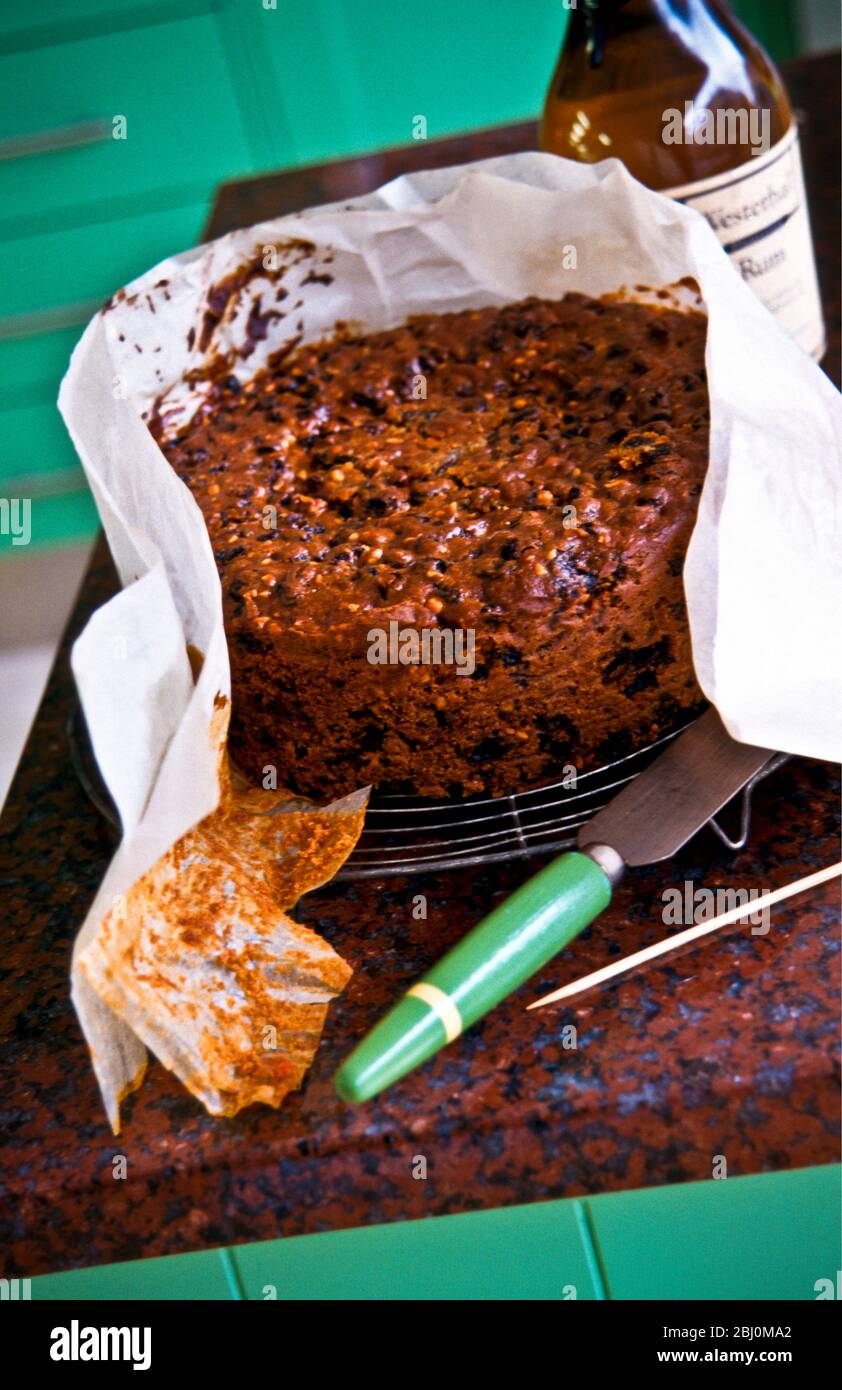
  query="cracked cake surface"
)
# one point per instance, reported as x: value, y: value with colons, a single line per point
x: 526, y: 473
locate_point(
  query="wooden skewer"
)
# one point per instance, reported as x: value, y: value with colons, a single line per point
x: 672, y: 943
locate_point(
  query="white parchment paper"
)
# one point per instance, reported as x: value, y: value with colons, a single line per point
x: 762, y: 574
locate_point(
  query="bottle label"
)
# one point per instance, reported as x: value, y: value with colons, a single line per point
x: 759, y: 213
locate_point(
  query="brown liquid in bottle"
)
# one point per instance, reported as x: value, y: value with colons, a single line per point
x: 693, y: 107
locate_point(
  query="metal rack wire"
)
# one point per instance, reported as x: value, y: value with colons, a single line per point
x: 412, y: 835
x: 405, y: 835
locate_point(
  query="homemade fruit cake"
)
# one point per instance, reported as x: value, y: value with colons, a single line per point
x: 527, y: 473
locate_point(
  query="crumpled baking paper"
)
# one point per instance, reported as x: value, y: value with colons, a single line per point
x: 762, y: 575
x: 203, y: 963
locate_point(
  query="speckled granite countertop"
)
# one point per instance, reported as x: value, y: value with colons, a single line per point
x: 731, y: 1050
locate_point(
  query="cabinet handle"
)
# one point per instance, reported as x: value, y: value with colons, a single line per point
x: 57, y: 483
x: 64, y: 137
x: 48, y: 320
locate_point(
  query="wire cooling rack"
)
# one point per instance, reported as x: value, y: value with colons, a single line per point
x: 412, y: 835
x: 407, y: 835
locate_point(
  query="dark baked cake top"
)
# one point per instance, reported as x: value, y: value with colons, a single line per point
x: 512, y: 463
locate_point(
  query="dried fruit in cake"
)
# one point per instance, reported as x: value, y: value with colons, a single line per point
x: 528, y: 474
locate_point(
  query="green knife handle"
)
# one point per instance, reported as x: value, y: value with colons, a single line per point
x: 508, y: 946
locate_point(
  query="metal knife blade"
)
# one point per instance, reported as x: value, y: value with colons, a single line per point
x: 676, y: 795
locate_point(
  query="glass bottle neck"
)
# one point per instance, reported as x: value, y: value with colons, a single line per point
x: 700, y: 27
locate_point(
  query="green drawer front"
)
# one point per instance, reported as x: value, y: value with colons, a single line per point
x: 67, y: 271
x: 198, y: 1276
x: 35, y: 445
x: 772, y: 1236
x: 339, y: 77
x: 172, y: 84
x: 38, y: 464
x: 31, y: 368
x: 531, y: 1253
x: 52, y: 14
x: 80, y: 264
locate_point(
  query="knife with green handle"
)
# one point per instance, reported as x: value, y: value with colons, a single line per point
x: 648, y: 821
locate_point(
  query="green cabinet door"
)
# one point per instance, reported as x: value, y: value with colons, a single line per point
x: 167, y: 88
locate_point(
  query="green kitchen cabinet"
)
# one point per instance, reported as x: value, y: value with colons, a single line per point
x: 38, y: 463
x: 169, y: 113
x: 83, y: 212
x: 31, y: 367
x: 340, y: 77
x: 40, y: 274
x: 32, y: 25
x: 771, y: 1236
x: 54, y: 277
x: 36, y: 446
x: 775, y: 25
